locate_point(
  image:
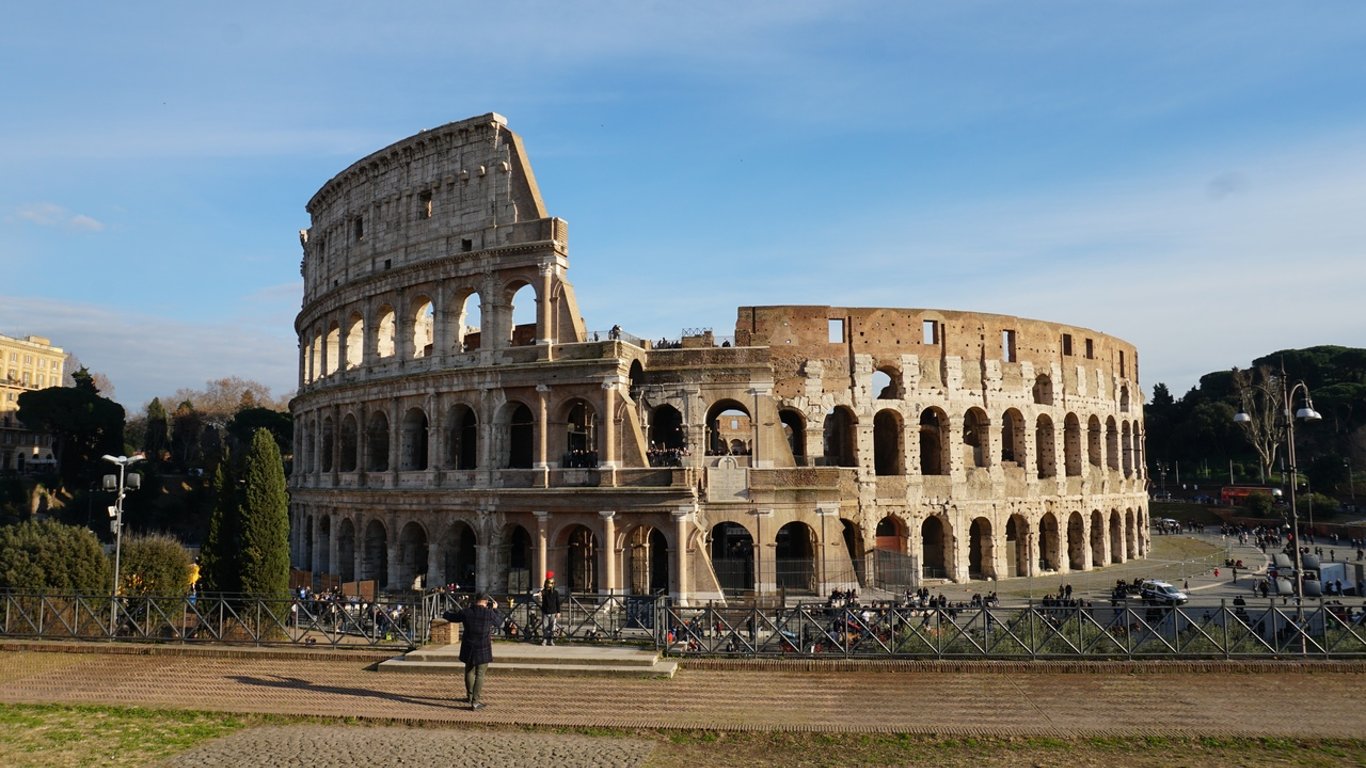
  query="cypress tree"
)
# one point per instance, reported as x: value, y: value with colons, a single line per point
x: 265, y: 520
x: 219, y: 568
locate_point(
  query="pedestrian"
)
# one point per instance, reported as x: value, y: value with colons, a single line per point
x: 550, y: 608
x: 476, y: 643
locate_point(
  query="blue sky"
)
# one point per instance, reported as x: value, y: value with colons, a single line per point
x: 1186, y: 176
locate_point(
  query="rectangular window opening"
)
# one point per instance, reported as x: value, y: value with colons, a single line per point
x: 1008, y: 346
x: 1123, y: 369
x: 1067, y: 344
x: 467, y: 245
x: 930, y: 328
x: 359, y: 227
x: 424, y: 205
x: 836, y: 330
x: 1090, y: 350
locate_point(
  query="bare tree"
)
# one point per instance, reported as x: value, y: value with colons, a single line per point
x: 1261, y: 393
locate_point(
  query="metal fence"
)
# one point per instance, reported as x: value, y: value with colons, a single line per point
x: 1260, y: 629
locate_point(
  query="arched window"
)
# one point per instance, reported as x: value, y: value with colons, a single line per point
x: 887, y: 443
x: 934, y: 427
x: 413, y: 455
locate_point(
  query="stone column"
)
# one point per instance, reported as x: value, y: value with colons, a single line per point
x: 436, y: 570
x: 541, y: 566
x: 766, y: 571
x: 545, y: 332
x: 609, y: 552
x: 542, y: 427
x: 609, y: 424
x: 682, y: 521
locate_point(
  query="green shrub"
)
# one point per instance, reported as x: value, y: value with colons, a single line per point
x: 154, y: 564
x: 48, y: 557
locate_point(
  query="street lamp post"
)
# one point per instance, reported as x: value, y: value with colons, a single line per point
x: 1308, y: 414
x: 121, y: 483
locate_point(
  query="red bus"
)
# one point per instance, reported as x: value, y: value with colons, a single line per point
x: 1237, y: 494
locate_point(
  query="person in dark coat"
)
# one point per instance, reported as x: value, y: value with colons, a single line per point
x: 476, y: 643
x: 550, y: 608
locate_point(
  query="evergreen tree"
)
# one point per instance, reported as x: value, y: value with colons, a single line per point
x: 157, y: 441
x: 265, y: 519
x: 219, y: 568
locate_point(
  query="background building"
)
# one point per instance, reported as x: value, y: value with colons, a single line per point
x: 457, y: 420
x: 29, y: 363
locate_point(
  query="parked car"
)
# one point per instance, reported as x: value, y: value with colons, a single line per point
x: 1163, y: 593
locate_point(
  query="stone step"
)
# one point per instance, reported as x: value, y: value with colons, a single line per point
x: 528, y: 659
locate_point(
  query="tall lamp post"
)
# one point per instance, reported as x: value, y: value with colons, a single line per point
x: 121, y: 484
x: 1308, y: 414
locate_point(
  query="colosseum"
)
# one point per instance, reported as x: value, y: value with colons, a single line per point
x: 458, y: 420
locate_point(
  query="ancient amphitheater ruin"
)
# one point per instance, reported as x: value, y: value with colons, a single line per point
x: 458, y: 420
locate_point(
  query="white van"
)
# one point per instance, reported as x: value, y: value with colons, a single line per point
x: 1154, y: 591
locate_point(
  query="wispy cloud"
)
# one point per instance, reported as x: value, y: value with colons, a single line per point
x: 57, y: 217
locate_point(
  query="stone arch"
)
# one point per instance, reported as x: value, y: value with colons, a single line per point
x: 891, y: 535
x: 888, y: 448
x: 1071, y: 445
x: 413, y: 454
x: 1044, y: 447
x: 458, y: 558
x: 332, y: 349
x: 667, y: 430
x: 728, y: 421
x: 841, y: 437
x: 346, y: 550
x: 794, y: 429
x: 374, y: 564
x: 329, y: 443
x: 1014, y: 439
x: 580, y: 421
x: 732, y: 557
x: 1050, y: 549
x: 936, y: 548
x: 1076, y: 542
x: 581, y: 559
x: 1111, y: 444
x: 377, y: 442
x: 1094, y: 451
x: 981, y: 550
x: 355, y: 340
x: 385, y: 333
x: 976, y: 438
x: 350, y: 445
x: 467, y: 323
x: 520, y: 449
x: 934, y: 437
x: 519, y: 551
x: 421, y: 326
x: 1043, y: 390
x: 1017, y: 546
x: 647, y: 561
x: 522, y: 301
x: 794, y: 557
x: 1124, y: 398
x: 462, y: 437
x: 887, y: 383
x: 412, y: 554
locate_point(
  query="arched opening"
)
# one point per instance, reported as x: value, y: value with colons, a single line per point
x: 647, y: 561
x: 325, y: 544
x: 414, y: 454
x: 1044, y: 447
x: 935, y: 543
x: 310, y: 457
x: 377, y: 442
x: 1076, y: 542
x: 887, y: 383
x: 794, y: 429
x: 313, y: 350
x: 412, y: 554
x: 421, y: 326
x: 1116, y: 538
x: 346, y: 550
x: 349, y: 446
x: 520, y: 561
x: 1097, y: 539
x: 1111, y: 444
x: 1094, y: 454
x: 521, y: 437
x: 976, y: 438
x: 1043, y: 390
x: 732, y: 557
x: 581, y: 435
x: 355, y: 341
x: 933, y: 442
x: 841, y: 438
x: 523, y: 316
x: 329, y: 443
x: 636, y: 378
x: 332, y: 349
x: 887, y: 446
x: 1017, y: 546
x: 374, y: 564
x: 462, y: 451
x: 1071, y: 444
x: 981, y: 550
x: 457, y: 556
x: 582, y: 560
x: 1014, y: 439
x: 1050, y: 558
x: 728, y: 428
x: 468, y: 322
x: 1124, y: 399
x: 384, y: 332
x: 666, y: 428
x: 794, y: 558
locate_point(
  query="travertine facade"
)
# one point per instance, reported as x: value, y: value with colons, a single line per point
x: 457, y: 420
x: 26, y: 364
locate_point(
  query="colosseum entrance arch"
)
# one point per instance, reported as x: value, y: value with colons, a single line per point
x: 794, y: 558
x: 462, y: 447
x: 1050, y: 551
x: 934, y: 430
x: 581, y: 560
x: 728, y: 429
x: 519, y: 560
x: 1017, y: 546
x: 888, y: 449
x: 457, y: 555
x: 935, y: 548
x: 412, y: 554
x: 375, y: 555
x: 346, y: 550
x: 732, y: 557
x: 981, y: 550
x: 647, y: 561
x: 893, y: 565
x: 1076, y: 542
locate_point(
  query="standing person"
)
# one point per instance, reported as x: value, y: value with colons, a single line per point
x: 550, y: 608
x: 476, y: 643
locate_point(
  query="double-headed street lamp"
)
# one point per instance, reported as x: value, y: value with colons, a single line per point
x: 1308, y: 414
x: 121, y: 483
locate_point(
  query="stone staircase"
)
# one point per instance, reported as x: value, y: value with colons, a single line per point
x: 522, y: 658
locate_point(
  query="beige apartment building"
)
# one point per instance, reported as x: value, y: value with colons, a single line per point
x: 26, y: 364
